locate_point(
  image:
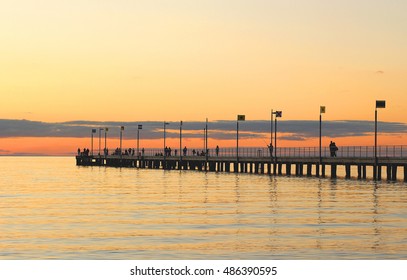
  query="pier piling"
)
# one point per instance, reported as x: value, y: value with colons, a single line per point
x: 255, y: 165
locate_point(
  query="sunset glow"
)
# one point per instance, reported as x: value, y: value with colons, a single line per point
x: 135, y: 61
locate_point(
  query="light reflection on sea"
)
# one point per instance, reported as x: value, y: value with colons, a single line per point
x: 52, y: 209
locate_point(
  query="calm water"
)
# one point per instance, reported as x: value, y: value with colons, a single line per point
x: 52, y: 209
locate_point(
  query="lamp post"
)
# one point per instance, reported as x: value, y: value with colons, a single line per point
x: 206, y: 144
x: 121, y: 140
x: 278, y: 114
x: 321, y: 111
x: 239, y: 118
x: 204, y: 133
x: 271, y: 127
x: 139, y: 127
x: 91, y: 141
x: 106, y: 130
x: 379, y: 104
x: 165, y: 150
x: 180, y: 144
x: 100, y: 131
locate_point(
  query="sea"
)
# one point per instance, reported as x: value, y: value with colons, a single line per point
x: 52, y: 209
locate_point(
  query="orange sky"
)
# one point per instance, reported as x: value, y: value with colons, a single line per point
x: 190, y: 60
x: 69, y: 146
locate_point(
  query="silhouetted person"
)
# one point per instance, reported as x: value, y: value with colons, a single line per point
x: 335, y: 148
x: 185, y: 150
x: 332, y: 149
x: 271, y: 148
x: 217, y: 150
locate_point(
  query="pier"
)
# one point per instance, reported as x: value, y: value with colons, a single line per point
x: 353, y: 162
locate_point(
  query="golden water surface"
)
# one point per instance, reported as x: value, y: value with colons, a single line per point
x: 52, y: 209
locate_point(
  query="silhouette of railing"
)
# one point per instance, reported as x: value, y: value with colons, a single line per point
x: 394, y: 151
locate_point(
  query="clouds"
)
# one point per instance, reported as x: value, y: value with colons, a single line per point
x: 222, y: 129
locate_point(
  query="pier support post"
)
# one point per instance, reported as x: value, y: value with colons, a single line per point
x: 323, y: 170
x: 388, y: 169
x: 288, y: 169
x: 242, y: 167
x: 347, y: 171
x: 333, y: 171
x: 359, y: 171
x: 227, y: 166
x: 394, y: 172
x: 309, y: 169
x: 317, y: 170
x: 212, y: 166
x: 405, y: 173
x: 299, y: 169
x: 379, y: 172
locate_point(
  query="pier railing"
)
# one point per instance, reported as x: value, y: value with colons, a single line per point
x: 395, y: 151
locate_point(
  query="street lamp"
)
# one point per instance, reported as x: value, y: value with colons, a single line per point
x: 100, y: 130
x: 379, y: 104
x: 121, y: 138
x: 321, y: 111
x: 239, y: 118
x: 165, y: 150
x: 140, y: 126
x: 106, y: 130
x: 278, y: 114
x: 206, y: 144
x: 180, y: 144
x: 91, y: 141
x: 271, y: 129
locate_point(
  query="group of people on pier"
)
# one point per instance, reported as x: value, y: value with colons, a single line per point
x: 85, y: 152
x: 168, y: 151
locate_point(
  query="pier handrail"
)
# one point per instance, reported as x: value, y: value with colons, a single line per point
x: 388, y: 151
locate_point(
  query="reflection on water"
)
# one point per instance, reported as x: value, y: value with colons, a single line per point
x: 49, y: 208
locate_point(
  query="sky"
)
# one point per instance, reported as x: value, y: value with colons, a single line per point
x: 123, y: 61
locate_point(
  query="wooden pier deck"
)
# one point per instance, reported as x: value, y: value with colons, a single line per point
x: 363, y: 167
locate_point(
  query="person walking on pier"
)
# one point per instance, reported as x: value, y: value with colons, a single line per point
x: 332, y: 149
x: 185, y: 150
x: 217, y: 150
x: 271, y: 148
